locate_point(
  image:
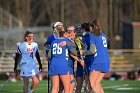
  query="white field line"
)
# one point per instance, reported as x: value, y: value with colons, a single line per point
x: 116, y: 86
x: 125, y: 88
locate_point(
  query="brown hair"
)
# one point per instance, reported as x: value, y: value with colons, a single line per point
x: 70, y: 29
x: 26, y: 34
x: 96, y: 28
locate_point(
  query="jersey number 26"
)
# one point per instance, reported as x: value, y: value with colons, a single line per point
x: 57, y: 49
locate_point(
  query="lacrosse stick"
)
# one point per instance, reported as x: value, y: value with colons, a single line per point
x: 6, y: 81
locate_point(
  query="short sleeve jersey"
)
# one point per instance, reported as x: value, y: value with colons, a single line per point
x: 51, y: 38
x: 60, y: 52
x: 28, y: 52
x: 101, y: 55
x: 59, y: 59
x: 86, y: 39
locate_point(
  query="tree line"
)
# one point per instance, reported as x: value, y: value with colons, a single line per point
x: 111, y: 13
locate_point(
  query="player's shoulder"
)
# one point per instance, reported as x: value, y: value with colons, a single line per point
x: 51, y: 36
x: 35, y: 44
x: 21, y: 44
x: 67, y: 39
x: 85, y: 34
x: 103, y: 35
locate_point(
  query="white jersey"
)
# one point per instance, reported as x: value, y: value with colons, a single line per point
x: 28, y: 60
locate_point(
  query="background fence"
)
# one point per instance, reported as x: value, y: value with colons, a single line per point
x: 122, y: 61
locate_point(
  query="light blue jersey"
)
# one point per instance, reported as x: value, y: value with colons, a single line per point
x: 28, y: 60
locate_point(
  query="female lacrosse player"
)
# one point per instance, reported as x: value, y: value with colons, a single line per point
x: 59, y: 63
x: 72, y: 58
x: 101, y: 63
x: 88, y: 53
x: 26, y: 56
x: 80, y: 46
x: 50, y: 39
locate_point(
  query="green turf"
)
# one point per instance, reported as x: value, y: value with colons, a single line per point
x: 126, y: 86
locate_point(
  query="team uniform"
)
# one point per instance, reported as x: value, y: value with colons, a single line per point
x: 50, y: 39
x: 27, y: 64
x: 101, y: 61
x: 88, y: 58
x: 71, y: 63
x: 59, y: 58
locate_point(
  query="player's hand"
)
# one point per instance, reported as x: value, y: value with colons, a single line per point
x: 81, y: 52
x: 40, y: 67
x: 15, y: 69
x: 63, y: 43
x: 82, y: 62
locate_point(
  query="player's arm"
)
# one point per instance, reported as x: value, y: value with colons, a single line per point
x: 73, y: 51
x: 64, y: 43
x: 38, y: 59
x: 47, y: 46
x: 70, y: 44
x: 49, y: 54
x: 91, y: 51
x: 77, y: 59
x: 17, y: 60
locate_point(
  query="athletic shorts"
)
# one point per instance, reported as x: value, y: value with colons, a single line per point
x: 58, y: 67
x: 28, y: 70
x: 101, y: 67
x: 71, y: 67
x: 79, y: 71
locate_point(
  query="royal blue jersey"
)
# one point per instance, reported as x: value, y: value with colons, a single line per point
x: 86, y: 39
x: 59, y: 60
x: 51, y: 38
x: 88, y: 58
x: 101, y: 55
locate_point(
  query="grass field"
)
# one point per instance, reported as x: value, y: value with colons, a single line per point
x: 125, y: 86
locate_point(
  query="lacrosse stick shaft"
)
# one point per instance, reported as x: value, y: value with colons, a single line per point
x: 6, y: 82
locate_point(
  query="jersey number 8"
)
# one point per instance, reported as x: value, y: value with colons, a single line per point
x: 57, y: 49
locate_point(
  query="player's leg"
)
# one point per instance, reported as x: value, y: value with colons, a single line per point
x: 26, y: 84
x: 55, y: 83
x: 35, y: 82
x: 79, y: 83
x: 66, y: 82
x: 98, y: 82
x: 93, y: 78
x: 72, y: 83
x: 61, y: 87
x: 88, y: 87
x: 79, y: 78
